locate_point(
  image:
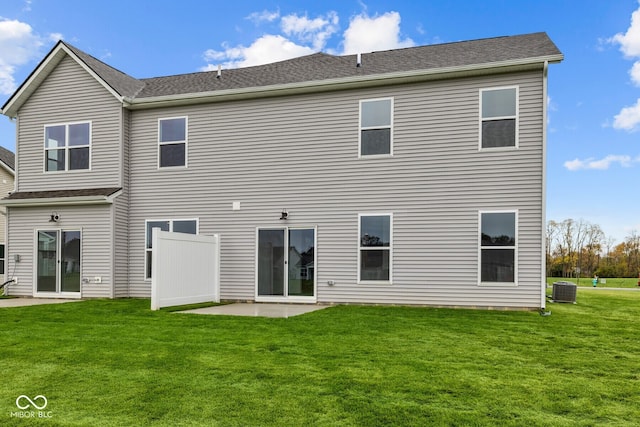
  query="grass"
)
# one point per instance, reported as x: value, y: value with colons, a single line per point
x: 620, y: 282
x: 116, y: 363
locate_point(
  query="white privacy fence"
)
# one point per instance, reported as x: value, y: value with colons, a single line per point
x: 185, y: 269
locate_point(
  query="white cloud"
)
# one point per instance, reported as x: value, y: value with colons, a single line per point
x: 19, y: 45
x: 315, y: 31
x: 628, y: 119
x: 600, y: 164
x: 55, y: 37
x: 266, y: 49
x: 304, y: 35
x: 368, y: 34
x: 630, y: 41
x: 264, y: 16
x: 634, y: 72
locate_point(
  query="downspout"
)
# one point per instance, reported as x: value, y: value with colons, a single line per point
x: 543, y: 264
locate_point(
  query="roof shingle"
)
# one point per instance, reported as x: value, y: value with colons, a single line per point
x: 8, y: 158
x: 322, y: 66
x: 122, y: 83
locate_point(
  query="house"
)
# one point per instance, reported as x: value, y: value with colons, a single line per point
x: 412, y: 176
x: 7, y: 173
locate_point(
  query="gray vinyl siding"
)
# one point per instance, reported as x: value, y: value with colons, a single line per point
x: 69, y: 94
x: 121, y: 229
x: 96, y: 240
x: 301, y: 153
x: 6, y: 186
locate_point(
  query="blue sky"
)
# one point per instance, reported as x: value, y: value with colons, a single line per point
x: 594, y: 95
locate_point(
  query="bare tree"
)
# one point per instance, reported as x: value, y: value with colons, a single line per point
x: 591, y: 248
x: 553, y: 230
x: 575, y: 245
x: 633, y: 253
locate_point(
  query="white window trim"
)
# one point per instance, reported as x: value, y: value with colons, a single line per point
x: 185, y: 142
x: 516, y: 117
x: 389, y: 248
x: 515, y: 249
x: 361, y: 128
x: 66, y: 147
x: 170, y: 221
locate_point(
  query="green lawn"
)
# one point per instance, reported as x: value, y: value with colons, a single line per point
x: 102, y: 363
x: 628, y: 282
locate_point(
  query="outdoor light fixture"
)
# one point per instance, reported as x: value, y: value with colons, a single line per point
x: 284, y: 214
x: 54, y: 217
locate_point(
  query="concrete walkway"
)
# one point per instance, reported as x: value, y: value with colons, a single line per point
x: 258, y: 309
x: 23, y: 302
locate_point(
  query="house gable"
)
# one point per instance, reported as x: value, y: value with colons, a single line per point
x: 114, y: 81
x: 69, y: 95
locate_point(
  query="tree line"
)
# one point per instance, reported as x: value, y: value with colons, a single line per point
x: 581, y: 249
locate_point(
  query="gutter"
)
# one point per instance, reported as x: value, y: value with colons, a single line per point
x: 342, y: 83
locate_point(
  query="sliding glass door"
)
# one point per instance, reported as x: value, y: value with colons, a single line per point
x: 58, y: 269
x: 286, y: 263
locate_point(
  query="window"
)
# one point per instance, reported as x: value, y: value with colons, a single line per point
x: 376, y: 127
x: 188, y: 226
x: 1, y: 259
x: 172, y: 142
x: 374, y: 254
x: 498, y: 244
x: 499, y: 117
x: 67, y: 146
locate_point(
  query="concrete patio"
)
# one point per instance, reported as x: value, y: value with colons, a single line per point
x: 258, y: 309
x: 23, y: 302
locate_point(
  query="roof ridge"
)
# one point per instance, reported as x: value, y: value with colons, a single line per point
x: 83, y: 53
x: 297, y: 58
x: 121, y: 82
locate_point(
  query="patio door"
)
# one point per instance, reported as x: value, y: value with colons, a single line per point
x: 58, y: 269
x: 286, y: 264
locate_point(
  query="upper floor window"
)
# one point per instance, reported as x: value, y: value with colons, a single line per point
x: 376, y: 127
x: 499, y: 117
x: 1, y: 259
x: 67, y: 146
x: 172, y: 142
x: 374, y: 254
x: 498, y: 247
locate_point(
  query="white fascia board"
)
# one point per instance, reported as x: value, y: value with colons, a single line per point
x: 62, y: 201
x: 7, y: 168
x: 33, y: 81
x: 338, y: 84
